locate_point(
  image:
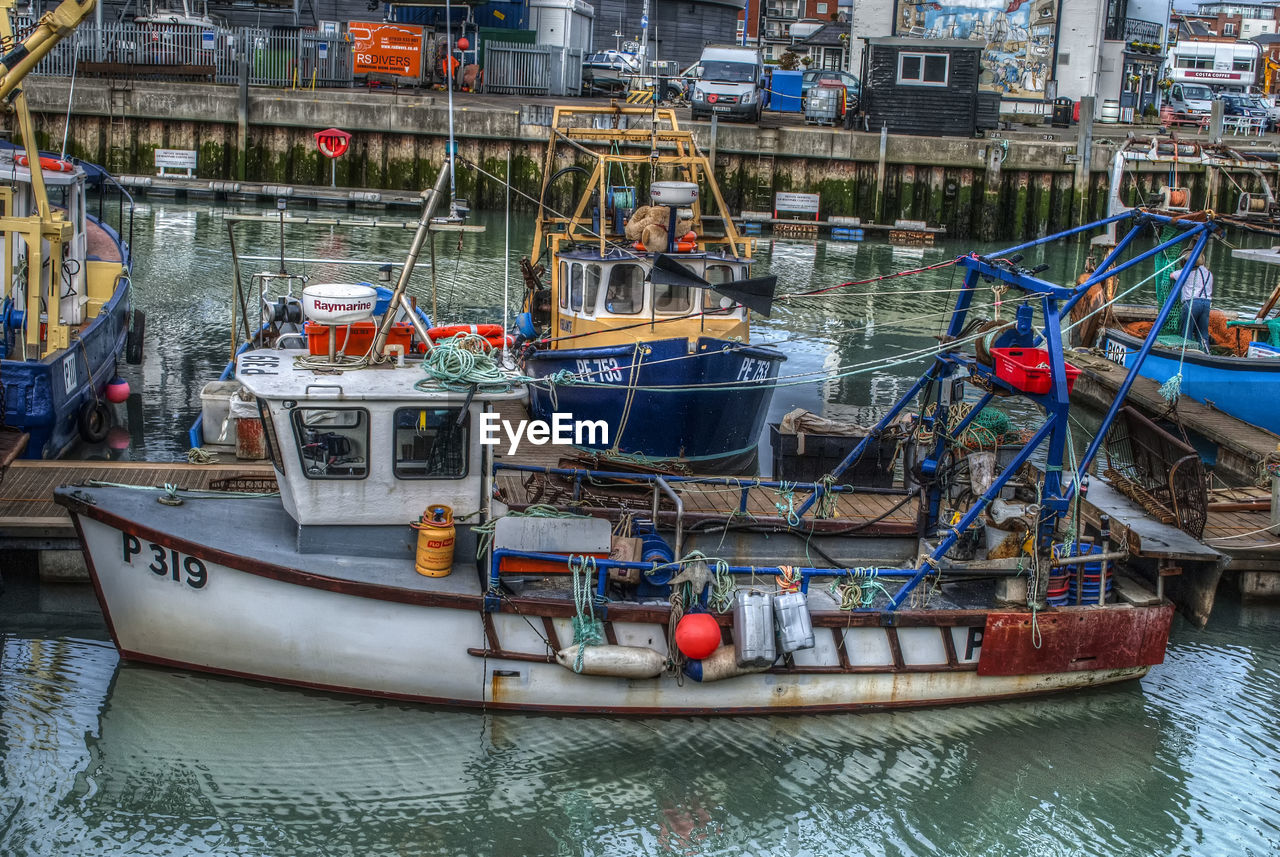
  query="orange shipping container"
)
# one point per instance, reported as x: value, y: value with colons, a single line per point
x: 386, y: 48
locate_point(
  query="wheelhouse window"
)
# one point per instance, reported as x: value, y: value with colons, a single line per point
x: 575, y: 287
x: 591, y: 291
x: 431, y: 443
x: 713, y: 301
x: 923, y: 69
x: 625, y: 292
x: 269, y: 433
x: 333, y: 443
x: 671, y: 300
x: 564, y: 285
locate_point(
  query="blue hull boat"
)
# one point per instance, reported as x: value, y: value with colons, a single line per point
x: 55, y: 366
x: 1243, y: 387
x: 639, y: 315
x: 707, y: 408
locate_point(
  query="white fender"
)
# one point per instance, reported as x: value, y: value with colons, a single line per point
x: 620, y: 661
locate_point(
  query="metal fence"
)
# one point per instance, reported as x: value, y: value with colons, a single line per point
x: 519, y: 69
x: 174, y: 51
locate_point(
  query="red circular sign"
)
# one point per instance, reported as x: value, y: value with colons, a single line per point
x: 332, y: 143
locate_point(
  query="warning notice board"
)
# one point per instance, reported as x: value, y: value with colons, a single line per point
x: 386, y: 48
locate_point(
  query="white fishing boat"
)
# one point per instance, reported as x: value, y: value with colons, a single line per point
x: 623, y: 592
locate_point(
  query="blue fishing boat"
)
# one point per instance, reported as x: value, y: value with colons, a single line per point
x: 1243, y: 387
x: 641, y: 313
x: 1242, y: 376
x: 63, y: 330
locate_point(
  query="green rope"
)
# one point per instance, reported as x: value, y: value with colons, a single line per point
x: 587, y: 630
x: 858, y: 588
x: 462, y: 362
x: 723, y: 589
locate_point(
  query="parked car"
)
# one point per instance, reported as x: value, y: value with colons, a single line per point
x: 1267, y: 104
x: 852, y: 86
x: 1241, y: 106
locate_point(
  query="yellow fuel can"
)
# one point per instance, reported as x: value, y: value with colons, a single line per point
x: 435, y: 541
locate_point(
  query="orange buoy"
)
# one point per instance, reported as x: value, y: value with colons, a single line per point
x: 686, y: 247
x: 52, y: 165
x: 689, y: 236
x: 697, y: 635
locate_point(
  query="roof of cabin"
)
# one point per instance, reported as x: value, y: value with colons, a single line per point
x: 272, y: 374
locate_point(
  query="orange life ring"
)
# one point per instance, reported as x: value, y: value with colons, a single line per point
x: 488, y: 331
x: 52, y: 165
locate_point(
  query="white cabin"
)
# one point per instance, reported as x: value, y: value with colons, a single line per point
x: 365, y: 447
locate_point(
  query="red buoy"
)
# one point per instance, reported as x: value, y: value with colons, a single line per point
x: 117, y: 390
x: 697, y: 635
x: 463, y: 44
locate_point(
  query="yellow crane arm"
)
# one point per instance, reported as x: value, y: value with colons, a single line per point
x: 52, y: 28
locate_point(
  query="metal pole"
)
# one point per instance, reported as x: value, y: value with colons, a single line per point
x: 1174, y: 295
x: 448, y: 83
x: 431, y: 199
x: 506, y: 260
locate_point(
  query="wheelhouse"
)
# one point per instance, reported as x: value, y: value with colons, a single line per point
x: 613, y: 298
x: 368, y: 454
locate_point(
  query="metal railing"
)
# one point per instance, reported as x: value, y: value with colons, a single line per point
x: 1143, y: 31
x: 285, y: 59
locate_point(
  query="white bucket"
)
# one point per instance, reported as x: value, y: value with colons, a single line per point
x: 215, y: 408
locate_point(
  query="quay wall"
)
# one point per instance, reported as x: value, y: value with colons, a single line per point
x: 1017, y: 187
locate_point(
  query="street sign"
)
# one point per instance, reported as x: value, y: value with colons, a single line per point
x: 644, y: 21
x: 322, y: 50
x: 207, y: 40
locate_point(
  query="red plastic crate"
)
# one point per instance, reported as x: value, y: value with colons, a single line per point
x: 1027, y: 369
x: 361, y: 334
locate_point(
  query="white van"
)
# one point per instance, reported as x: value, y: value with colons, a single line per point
x: 731, y: 82
x: 1190, y: 98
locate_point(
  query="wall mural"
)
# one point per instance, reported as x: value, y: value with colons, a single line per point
x: 1019, y: 37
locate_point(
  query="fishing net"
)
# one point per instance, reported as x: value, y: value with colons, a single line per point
x: 1221, y: 336
x: 1164, y: 282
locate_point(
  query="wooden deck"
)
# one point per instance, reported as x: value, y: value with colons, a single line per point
x: 1245, y: 535
x: 855, y: 513
x: 1241, y: 447
x: 30, y: 518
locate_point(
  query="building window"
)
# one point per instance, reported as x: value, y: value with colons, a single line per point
x: 1194, y: 62
x: 1228, y: 29
x: 1117, y: 12
x: 822, y: 9
x: 923, y: 69
x: 333, y: 443
x: 1242, y: 64
x: 430, y: 443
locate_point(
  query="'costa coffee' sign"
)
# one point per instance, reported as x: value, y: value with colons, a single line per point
x: 332, y: 143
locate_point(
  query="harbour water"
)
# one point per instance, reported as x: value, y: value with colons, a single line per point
x: 102, y: 758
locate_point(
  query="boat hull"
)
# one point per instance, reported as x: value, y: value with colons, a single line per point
x: 171, y: 597
x: 1243, y: 387
x: 712, y: 428
x: 45, y: 397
